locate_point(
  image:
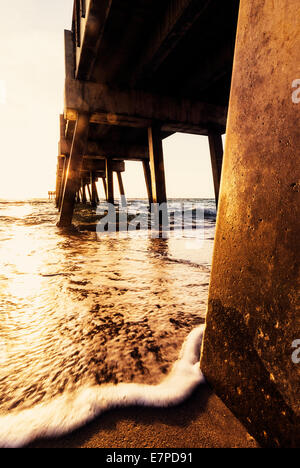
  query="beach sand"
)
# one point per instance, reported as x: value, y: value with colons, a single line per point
x: 203, y: 421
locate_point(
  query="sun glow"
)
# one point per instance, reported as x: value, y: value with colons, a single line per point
x: 31, y: 99
x: 31, y: 94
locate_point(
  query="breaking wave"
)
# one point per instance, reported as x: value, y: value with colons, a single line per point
x: 72, y: 410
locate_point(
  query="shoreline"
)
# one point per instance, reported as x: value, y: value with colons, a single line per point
x: 202, y: 421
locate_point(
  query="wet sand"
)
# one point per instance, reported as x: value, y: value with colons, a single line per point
x: 203, y: 421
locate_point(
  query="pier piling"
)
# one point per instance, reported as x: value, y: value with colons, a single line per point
x: 253, y: 311
x: 83, y: 187
x: 121, y: 188
x: 95, y: 198
x: 216, y: 155
x: 147, y: 174
x: 75, y: 161
x: 157, y: 165
x: 104, y: 187
x: 109, y: 182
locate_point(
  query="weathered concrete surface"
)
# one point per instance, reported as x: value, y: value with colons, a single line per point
x: 253, y: 314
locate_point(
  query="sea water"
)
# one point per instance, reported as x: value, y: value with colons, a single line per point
x: 83, y: 316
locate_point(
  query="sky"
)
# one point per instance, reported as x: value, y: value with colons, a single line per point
x: 31, y: 99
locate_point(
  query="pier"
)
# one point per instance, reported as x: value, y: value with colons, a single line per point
x: 127, y: 91
x: 137, y: 72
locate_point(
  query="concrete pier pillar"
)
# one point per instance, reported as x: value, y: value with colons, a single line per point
x: 157, y: 165
x: 253, y: 312
x: 97, y: 195
x: 109, y: 182
x: 59, y: 178
x: 89, y: 192
x: 94, y: 189
x: 121, y: 188
x: 83, y: 191
x: 104, y: 187
x: 147, y: 173
x: 63, y: 181
x: 75, y: 163
x: 216, y: 156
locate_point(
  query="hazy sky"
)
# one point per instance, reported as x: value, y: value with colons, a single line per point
x: 31, y: 99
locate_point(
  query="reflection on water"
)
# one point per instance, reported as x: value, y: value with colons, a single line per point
x: 76, y: 310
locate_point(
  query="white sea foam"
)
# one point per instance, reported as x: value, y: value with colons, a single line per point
x: 70, y: 411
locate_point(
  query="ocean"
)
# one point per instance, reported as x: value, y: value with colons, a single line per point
x: 83, y: 313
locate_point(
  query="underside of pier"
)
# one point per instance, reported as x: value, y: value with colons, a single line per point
x: 136, y: 72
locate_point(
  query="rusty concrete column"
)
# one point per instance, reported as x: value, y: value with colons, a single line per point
x: 109, y: 182
x: 83, y: 192
x: 59, y: 178
x: 253, y: 312
x: 147, y: 174
x: 121, y: 189
x: 104, y: 187
x: 89, y: 192
x: 63, y: 181
x: 157, y: 165
x: 94, y: 189
x: 216, y: 156
x: 97, y: 195
x: 75, y: 163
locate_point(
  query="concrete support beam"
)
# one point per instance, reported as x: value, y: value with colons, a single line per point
x: 178, y: 20
x: 100, y: 165
x: 86, y: 175
x: 147, y: 173
x: 253, y: 311
x: 75, y: 161
x: 135, y: 108
x: 157, y: 165
x: 109, y: 182
x: 96, y: 18
x: 69, y: 55
x: 216, y: 156
x: 212, y: 69
x: 62, y: 129
x: 106, y: 149
x: 69, y: 131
